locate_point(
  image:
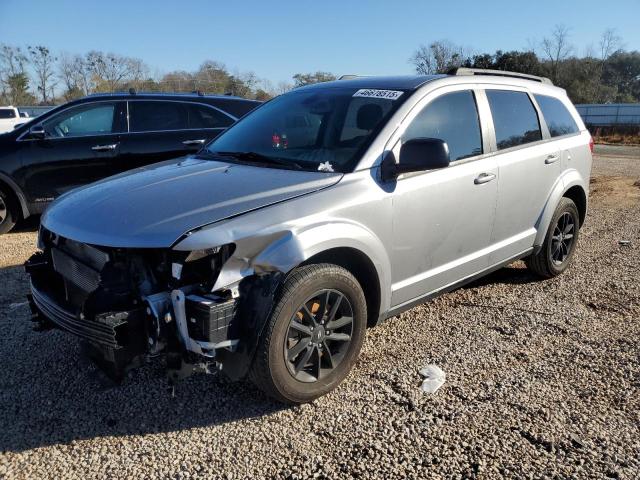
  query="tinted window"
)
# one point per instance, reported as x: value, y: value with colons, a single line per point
x: 7, y: 113
x: 319, y: 129
x: 201, y: 116
x: 514, y: 118
x: 453, y: 117
x: 148, y: 116
x: 558, y: 118
x: 96, y: 119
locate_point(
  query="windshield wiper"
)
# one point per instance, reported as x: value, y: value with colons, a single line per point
x: 260, y: 158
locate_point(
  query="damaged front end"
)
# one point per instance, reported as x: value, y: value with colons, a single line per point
x: 128, y: 304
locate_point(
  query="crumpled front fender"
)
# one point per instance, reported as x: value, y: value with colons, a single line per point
x: 281, y: 250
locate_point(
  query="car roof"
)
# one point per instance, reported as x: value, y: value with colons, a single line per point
x: 399, y: 82
x: 454, y: 76
x: 165, y: 96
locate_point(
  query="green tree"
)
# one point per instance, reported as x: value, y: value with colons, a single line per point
x: 301, y: 79
x: 262, y: 95
x: 622, y: 70
x: 18, y: 90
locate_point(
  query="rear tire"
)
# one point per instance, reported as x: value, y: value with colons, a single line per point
x: 313, y: 335
x: 559, y: 243
x: 8, y: 212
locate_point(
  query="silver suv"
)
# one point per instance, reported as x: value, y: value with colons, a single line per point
x: 326, y: 210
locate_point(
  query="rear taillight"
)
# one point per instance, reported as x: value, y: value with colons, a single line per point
x: 591, y: 144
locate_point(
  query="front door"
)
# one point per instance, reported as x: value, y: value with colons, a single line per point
x: 442, y: 219
x: 80, y: 147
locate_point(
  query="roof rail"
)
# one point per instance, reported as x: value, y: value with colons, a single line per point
x: 349, y: 77
x: 497, y: 73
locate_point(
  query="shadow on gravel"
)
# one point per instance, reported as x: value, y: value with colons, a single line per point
x: 31, y: 224
x: 49, y: 394
x: 511, y: 275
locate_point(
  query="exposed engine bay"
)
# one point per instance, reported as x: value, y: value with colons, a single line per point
x: 130, y: 304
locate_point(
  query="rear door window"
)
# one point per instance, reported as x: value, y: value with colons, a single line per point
x: 201, y: 116
x: 452, y: 117
x: 155, y: 116
x: 558, y: 118
x: 514, y: 118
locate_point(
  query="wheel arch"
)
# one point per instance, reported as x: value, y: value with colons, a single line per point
x: 362, y: 268
x: 579, y: 197
x: 13, y: 190
x: 572, y: 186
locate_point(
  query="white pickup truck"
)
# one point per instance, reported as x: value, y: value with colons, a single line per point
x: 10, y: 117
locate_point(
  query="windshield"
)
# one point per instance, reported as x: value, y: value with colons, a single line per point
x: 324, y: 129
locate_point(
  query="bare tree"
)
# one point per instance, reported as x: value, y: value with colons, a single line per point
x: 610, y: 42
x: 438, y: 57
x: 557, y: 48
x: 76, y: 75
x: 43, y: 63
x: 282, y: 87
x: 110, y: 71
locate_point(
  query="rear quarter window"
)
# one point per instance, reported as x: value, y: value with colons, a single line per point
x: 201, y: 116
x: 514, y: 118
x: 558, y: 118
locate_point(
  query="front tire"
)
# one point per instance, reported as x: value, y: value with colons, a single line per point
x: 559, y: 243
x: 8, y: 212
x: 313, y: 335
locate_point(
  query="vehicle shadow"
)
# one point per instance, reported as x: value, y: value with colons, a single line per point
x: 513, y: 274
x: 30, y: 224
x: 49, y: 394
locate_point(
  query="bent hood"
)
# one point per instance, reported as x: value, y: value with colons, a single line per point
x: 154, y: 206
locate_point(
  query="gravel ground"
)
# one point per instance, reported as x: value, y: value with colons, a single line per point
x: 543, y: 380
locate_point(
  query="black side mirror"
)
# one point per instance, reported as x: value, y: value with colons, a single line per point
x: 417, y: 155
x: 37, y: 132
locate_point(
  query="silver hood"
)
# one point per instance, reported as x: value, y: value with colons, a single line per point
x: 153, y: 207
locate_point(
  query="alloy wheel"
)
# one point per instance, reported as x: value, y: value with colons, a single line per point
x: 319, y: 335
x: 562, y: 239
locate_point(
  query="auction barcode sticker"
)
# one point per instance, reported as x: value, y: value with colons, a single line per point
x: 373, y: 93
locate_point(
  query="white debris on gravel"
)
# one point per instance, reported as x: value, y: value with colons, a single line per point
x: 434, y: 378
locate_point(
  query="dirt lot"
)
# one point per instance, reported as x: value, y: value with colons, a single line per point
x: 543, y: 380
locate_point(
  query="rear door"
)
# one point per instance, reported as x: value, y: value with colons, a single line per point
x: 563, y: 129
x: 164, y: 129
x: 529, y: 166
x: 81, y: 146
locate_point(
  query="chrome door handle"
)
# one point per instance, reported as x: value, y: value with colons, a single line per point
x: 484, y: 178
x: 104, y: 148
x: 551, y: 159
x: 194, y: 142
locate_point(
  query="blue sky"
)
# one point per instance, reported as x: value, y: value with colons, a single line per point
x: 277, y: 39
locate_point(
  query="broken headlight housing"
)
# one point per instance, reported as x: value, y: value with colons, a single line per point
x: 201, y: 266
